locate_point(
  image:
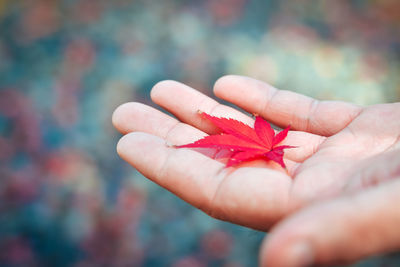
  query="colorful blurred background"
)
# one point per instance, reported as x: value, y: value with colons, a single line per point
x: 66, y: 199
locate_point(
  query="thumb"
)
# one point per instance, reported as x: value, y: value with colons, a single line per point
x: 342, y: 230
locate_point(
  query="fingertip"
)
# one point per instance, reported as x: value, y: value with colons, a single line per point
x: 134, y: 142
x: 128, y: 117
x: 161, y: 88
x: 225, y: 82
x: 124, y: 143
x: 119, y: 115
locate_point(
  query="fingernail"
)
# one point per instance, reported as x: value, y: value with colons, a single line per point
x: 300, y: 255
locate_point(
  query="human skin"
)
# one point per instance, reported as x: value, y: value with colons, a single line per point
x: 335, y: 203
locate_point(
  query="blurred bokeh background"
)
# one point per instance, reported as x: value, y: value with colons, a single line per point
x: 66, y: 199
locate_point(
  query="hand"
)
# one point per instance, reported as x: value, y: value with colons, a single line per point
x: 347, y: 228
x: 333, y: 139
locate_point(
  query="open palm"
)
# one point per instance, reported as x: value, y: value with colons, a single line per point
x: 333, y: 139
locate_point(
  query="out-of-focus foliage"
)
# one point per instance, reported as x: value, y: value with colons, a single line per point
x: 66, y: 199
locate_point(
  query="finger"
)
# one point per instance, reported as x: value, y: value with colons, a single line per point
x: 137, y: 117
x: 255, y: 197
x: 284, y: 107
x: 190, y: 101
x: 127, y: 116
x: 337, y: 231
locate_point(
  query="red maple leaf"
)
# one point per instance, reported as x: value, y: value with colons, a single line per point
x: 243, y: 142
